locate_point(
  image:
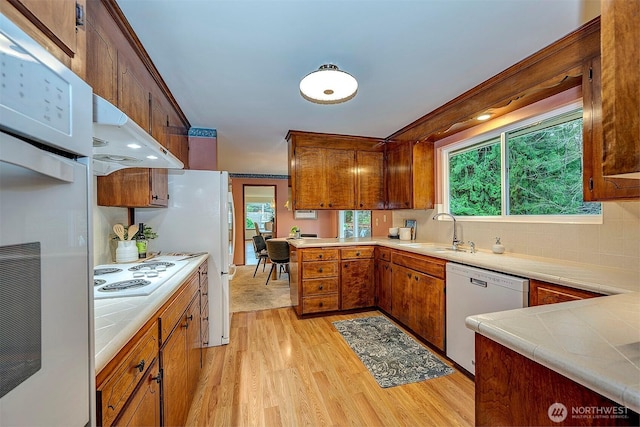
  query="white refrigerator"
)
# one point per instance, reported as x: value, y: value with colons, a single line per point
x: 200, y: 218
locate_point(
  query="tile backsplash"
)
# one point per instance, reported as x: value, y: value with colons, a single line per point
x: 614, y: 243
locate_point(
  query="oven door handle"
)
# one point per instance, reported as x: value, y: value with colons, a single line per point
x: 20, y: 153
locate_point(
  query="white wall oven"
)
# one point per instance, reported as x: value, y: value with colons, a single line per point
x: 46, y: 351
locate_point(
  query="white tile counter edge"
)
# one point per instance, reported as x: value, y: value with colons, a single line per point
x: 596, y: 373
x: 118, y: 319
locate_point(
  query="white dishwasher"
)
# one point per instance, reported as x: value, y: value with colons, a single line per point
x: 471, y: 291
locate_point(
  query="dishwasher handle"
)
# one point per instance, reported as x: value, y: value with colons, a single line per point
x: 478, y: 282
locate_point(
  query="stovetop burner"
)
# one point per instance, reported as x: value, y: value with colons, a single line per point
x: 98, y: 282
x: 152, y: 264
x: 123, y: 285
x: 108, y: 270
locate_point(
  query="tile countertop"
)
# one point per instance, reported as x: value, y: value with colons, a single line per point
x: 608, y: 281
x: 118, y: 319
x: 594, y: 342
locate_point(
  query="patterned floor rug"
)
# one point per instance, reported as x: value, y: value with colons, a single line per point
x: 393, y: 357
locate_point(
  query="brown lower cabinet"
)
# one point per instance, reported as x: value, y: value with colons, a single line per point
x: 180, y: 361
x: 151, y: 381
x: 417, y: 295
x: 548, y: 293
x: 408, y: 286
x: 357, y: 279
x: 513, y: 390
x: 144, y: 405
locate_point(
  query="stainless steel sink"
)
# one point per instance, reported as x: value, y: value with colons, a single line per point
x: 431, y: 247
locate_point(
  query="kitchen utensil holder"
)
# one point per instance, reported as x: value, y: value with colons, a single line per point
x: 126, y: 251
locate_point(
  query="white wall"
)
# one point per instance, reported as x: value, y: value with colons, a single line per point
x: 614, y: 243
x: 104, y: 218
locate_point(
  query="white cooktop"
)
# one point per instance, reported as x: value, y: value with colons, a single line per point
x: 136, y: 278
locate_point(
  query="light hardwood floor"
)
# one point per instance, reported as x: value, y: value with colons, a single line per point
x: 282, y: 371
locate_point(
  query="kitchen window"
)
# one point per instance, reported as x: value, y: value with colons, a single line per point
x: 530, y: 171
x: 354, y: 224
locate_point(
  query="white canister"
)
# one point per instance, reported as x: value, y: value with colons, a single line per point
x: 126, y: 251
x: 405, y: 233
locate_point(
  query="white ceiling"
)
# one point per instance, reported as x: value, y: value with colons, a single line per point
x: 235, y: 65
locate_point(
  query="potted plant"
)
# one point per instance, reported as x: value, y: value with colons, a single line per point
x: 294, y: 232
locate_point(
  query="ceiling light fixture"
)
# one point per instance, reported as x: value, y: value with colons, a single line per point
x: 483, y: 117
x: 328, y: 85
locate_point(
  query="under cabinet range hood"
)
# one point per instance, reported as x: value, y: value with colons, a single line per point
x: 119, y: 142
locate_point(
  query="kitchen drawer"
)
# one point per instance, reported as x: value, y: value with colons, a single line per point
x: 313, y: 270
x: 319, y: 254
x: 319, y: 304
x: 424, y: 264
x: 115, y: 390
x: 357, y: 252
x: 320, y: 286
x: 170, y: 317
x: 541, y: 293
x: 384, y: 254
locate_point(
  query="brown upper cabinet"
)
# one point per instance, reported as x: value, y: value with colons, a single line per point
x: 52, y: 23
x: 335, y: 171
x: 134, y: 188
x: 370, y: 180
x: 597, y: 187
x: 620, y: 45
x: 120, y: 71
x: 410, y: 175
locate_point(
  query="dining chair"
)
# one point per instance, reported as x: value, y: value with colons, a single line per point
x: 260, y: 248
x: 265, y: 235
x: 278, y: 251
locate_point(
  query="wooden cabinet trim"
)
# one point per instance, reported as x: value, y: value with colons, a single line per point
x: 536, y: 77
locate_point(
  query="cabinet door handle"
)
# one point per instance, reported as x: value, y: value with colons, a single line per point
x: 320, y: 305
x: 154, y: 197
x: 157, y: 378
x: 319, y: 270
x: 320, y: 287
x: 330, y: 205
x: 357, y: 253
x: 320, y: 256
x: 361, y: 205
x: 140, y: 366
x: 322, y: 205
x: 346, y: 265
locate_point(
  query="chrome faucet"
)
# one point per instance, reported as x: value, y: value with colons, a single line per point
x: 455, y: 242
